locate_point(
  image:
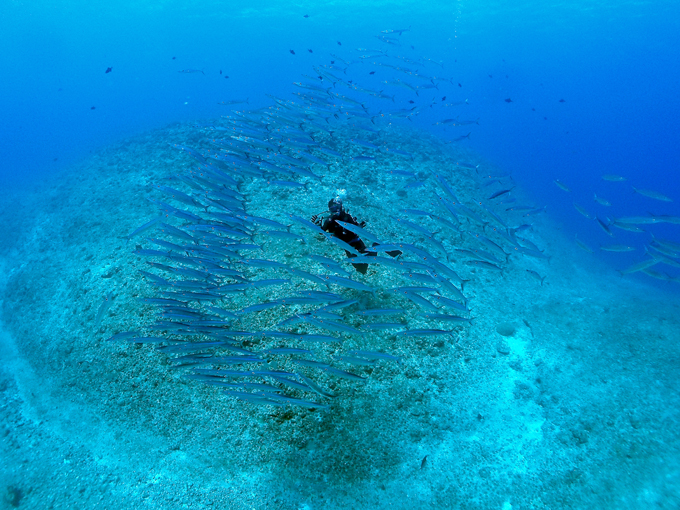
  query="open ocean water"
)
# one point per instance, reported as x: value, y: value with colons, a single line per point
x: 334, y: 255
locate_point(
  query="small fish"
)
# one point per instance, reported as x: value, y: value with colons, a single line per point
x: 380, y: 311
x: 500, y: 193
x: 92, y: 107
x: 108, y: 70
x: 613, y: 178
x: 604, y: 226
x: 310, y: 51
x: 104, y: 307
x: 638, y: 220
x: 188, y: 71
x: 652, y: 194
x: 601, y: 200
x: 561, y: 185
x: 640, y: 266
x: 562, y: 101
x: 618, y: 248
x: 234, y: 101
x: 536, y: 276
x: 339, y: 43
x: 583, y: 246
x: 582, y: 211
x: 376, y: 355
x: 372, y: 72
x: 423, y: 332
x: 508, y: 100
x: 306, y: 16
x: 292, y: 52
x: 462, y: 137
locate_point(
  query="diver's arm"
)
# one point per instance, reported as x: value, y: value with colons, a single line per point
x: 321, y: 220
x: 357, y: 222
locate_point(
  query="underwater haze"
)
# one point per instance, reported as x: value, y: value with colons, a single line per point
x: 334, y: 255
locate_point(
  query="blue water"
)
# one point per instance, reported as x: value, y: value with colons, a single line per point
x: 551, y: 91
x: 611, y: 63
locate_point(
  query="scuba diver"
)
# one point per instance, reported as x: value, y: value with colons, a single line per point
x: 329, y: 224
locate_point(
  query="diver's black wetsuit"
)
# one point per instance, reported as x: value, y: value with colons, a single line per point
x: 330, y: 226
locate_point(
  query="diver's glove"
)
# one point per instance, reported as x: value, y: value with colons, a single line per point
x: 362, y: 224
x: 315, y: 219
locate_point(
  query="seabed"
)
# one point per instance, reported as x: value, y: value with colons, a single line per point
x: 557, y: 395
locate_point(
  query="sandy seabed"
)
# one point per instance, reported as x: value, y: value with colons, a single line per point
x: 560, y: 395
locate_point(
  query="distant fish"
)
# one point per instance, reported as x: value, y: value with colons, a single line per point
x: 292, y: 52
x: 601, y: 200
x: 396, y: 31
x: 583, y: 246
x: 640, y: 266
x: 561, y: 185
x: 108, y: 70
x: 582, y: 211
x: 508, y: 100
x: 372, y: 72
x: 536, y: 276
x: 652, y: 194
x: 500, y: 193
x: 188, y: 71
x: 639, y: 220
x: 310, y: 51
x: 339, y: 43
x: 604, y: 226
x: 235, y: 101
x: 104, y: 307
x: 306, y: 16
x: 617, y: 248
x: 628, y: 226
x: 613, y: 178
x: 562, y: 101
x: 92, y: 107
